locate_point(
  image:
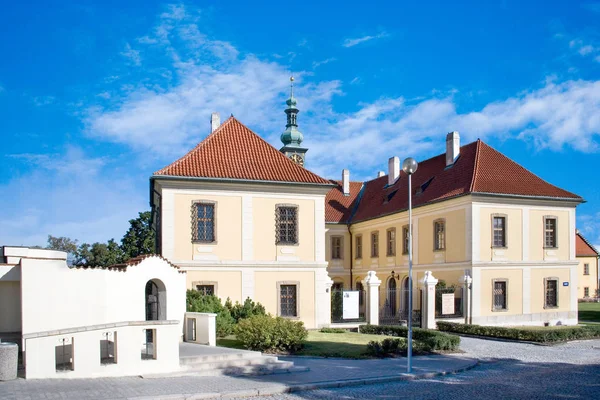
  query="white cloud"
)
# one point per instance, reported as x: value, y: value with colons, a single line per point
x: 584, y: 49
x: 355, y: 41
x: 68, y: 194
x: 317, y: 64
x: 43, y: 100
x: 132, y: 55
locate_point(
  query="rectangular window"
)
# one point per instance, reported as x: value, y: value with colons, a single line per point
x: 375, y: 244
x: 359, y: 246
x: 287, y: 224
x: 551, y: 292
x: 405, y: 239
x: 207, y: 290
x: 498, y: 231
x: 288, y: 300
x: 439, y: 232
x: 336, y: 247
x: 586, y: 269
x: 586, y: 292
x: 500, y: 295
x: 550, y: 232
x: 391, y: 242
x: 203, y: 222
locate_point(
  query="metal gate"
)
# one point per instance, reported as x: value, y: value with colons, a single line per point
x: 395, y: 305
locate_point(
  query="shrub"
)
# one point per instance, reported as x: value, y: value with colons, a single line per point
x: 333, y: 330
x: 198, y: 302
x: 246, y: 310
x: 431, y: 340
x: 266, y: 333
x: 547, y: 335
x: 391, y: 347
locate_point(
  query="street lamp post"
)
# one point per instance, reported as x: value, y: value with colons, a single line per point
x: 409, y: 166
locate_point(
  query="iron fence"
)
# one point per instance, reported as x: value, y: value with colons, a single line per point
x: 395, y: 308
x: 449, y: 302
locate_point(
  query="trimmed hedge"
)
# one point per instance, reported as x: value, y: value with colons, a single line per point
x: 266, y: 333
x: 389, y: 347
x: 333, y: 330
x: 546, y: 335
x: 432, y: 340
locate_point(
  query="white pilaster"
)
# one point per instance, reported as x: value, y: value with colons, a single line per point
x: 323, y: 285
x: 320, y: 229
x: 476, y: 233
x: 168, y: 224
x: 468, y: 233
x: 428, y: 300
x: 247, y: 229
x: 467, y: 282
x: 371, y: 284
x: 247, y: 284
x: 572, y: 229
x: 476, y: 292
x: 525, y: 234
x: 573, y: 289
x: 526, y: 290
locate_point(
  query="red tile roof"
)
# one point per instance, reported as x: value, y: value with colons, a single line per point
x: 233, y: 151
x: 583, y: 248
x: 338, y: 207
x: 130, y: 263
x: 479, y: 169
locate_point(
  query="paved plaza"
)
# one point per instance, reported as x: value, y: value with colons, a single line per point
x: 506, y: 370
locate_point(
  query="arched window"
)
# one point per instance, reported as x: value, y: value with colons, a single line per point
x: 155, y: 300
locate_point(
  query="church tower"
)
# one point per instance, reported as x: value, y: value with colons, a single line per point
x: 292, y: 137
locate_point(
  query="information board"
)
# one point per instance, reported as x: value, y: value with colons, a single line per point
x: 447, y: 303
x: 350, y: 304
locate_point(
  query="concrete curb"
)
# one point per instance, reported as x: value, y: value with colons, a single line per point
x: 282, y: 388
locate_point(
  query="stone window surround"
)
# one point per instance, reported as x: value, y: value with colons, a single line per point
x: 297, y: 207
x: 358, y: 255
x: 297, y: 284
x: 374, y: 249
x: 435, y: 244
x: 341, y: 237
x: 389, y: 253
x: 586, y: 268
x: 215, y: 284
x: 405, y: 229
x: 555, y: 218
x: 505, y: 216
x: 195, y: 215
x: 505, y: 280
x: 551, y: 278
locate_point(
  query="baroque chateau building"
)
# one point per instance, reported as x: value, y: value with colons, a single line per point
x: 246, y: 220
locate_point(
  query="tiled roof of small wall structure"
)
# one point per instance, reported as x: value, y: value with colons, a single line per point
x: 478, y: 169
x: 583, y: 248
x: 131, y: 263
x: 233, y: 151
x: 338, y: 207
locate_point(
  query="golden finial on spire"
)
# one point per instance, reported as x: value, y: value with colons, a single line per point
x: 292, y: 86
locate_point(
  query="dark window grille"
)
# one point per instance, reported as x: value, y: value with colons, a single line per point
x: 551, y: 293
x: 586, y: 292
x: 550, y: 232
x: 336, y: 247
x: 440, y: 235
x: 203, y: 222
x: 207, y: 290
x: 500, y: 295
x: 287, y: 225
x: 391, y: 242
x: 375, y: 244
x: 359, y: 247
x: 499, y: 232
x: 287, y: 301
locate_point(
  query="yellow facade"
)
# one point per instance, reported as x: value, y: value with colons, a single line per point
x: 589, y: 280
x: 226, y: 283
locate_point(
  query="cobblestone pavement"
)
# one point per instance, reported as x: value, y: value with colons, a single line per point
x: 507, y: 371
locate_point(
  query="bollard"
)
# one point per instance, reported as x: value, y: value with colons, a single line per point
x: 9, y: 356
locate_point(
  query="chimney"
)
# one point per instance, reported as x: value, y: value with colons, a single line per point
x: 380, y: 174
x: 346, y: 182
x: 393, y: 170
x: 215, y: 121
x: 452, y: 147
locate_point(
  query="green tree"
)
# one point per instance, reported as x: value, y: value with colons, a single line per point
x: 139, y: 238
x: 99, y: 254
x: 65, y: 244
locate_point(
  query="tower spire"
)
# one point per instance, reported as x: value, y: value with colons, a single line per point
x: 292, y: 137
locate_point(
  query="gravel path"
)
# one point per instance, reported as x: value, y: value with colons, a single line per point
x: 508, y: 370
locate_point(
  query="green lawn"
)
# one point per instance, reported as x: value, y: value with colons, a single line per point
x: 589, y: 312
x: 346, y: 345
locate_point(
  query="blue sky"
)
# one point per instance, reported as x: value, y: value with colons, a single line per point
x: 95, y: 97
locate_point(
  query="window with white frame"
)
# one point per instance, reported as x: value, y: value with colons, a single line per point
x: 550, y: 232
x: 498, y: 231
x: 391, y: 242
x: 358, y: 246
x: 203, y: 221
x: 586, y: 292
x: 405, y: 239
x: 586, y: 269
x: 287, y: 224
x: 439, y: 235
x: 500, y: 294
x: 550, y: 292
x: 288, y: 299
x: 374, y: 244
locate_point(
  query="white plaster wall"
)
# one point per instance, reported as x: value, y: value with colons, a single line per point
x: 40, y: 358
x: 10, y: 306
x: 57, y: 297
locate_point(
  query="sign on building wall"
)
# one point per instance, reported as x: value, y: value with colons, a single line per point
x: 350, y: 304
x: 447, y: 303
